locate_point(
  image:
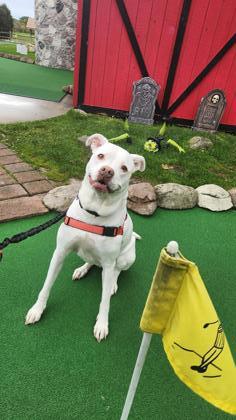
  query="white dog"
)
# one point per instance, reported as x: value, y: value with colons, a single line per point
x: 97, y: 226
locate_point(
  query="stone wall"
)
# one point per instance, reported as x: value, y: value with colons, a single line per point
x: 55, y: 33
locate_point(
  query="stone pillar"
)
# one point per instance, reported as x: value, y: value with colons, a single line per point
x: 55, y: 33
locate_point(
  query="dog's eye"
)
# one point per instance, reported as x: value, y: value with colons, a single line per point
x: 124, y: 168
x: 100, y: 156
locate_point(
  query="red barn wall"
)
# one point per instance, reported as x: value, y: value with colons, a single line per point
x: 110, y: 66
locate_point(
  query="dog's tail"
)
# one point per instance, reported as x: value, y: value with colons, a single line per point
x: 136, y: 236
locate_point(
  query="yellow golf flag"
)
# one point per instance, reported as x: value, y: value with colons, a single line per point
x: 179, y: 307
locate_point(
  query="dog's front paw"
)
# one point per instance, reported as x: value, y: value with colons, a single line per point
x: 34, y: 314
x: 100, y: 330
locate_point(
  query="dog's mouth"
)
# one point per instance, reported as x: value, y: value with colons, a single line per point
x: 99, y: 185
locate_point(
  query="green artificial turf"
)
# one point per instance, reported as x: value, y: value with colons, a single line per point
x: 34, y: 81
x: 57, y: 370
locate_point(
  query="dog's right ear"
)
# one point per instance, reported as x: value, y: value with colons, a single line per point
x: 95, y: 141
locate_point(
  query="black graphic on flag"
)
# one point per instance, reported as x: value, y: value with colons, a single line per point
x: 211, y: 354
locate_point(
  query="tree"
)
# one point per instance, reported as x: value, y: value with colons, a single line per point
x: 6, y: 20
x: 20, y: 24
x: 23, y: 21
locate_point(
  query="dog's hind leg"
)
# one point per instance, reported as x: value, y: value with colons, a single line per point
x: 115, y: 279
x: 81, y: 271
x: 35, y: 313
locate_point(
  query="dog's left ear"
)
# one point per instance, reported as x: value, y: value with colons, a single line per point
x: 95, y: 141
x: 139, y: 163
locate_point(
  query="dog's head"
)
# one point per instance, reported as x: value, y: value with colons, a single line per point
x: 110, y: 167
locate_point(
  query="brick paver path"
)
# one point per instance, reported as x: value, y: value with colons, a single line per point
x: 21, y: 187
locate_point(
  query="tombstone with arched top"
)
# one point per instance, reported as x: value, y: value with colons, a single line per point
x: 142, y: 107
x: 210, y: 111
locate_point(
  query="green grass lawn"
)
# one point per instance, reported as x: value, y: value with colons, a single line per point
x: 54, y: 145
x: 10, y: 48
x: 24, y: 37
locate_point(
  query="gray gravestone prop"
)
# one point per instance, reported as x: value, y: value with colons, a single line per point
x: 142, y: 107
x: 210, y: 111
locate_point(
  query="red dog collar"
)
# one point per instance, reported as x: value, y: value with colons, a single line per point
x: 98, y: 230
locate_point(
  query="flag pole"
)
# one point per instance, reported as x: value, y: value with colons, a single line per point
x: 136, y: 374
x: 173, y: 250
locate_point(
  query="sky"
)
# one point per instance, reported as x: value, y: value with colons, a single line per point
x: 20, y: 8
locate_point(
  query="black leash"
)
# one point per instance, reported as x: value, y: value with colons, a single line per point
x: 28, y: 233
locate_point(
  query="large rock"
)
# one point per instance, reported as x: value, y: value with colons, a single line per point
x: 198, y: 142
x: 176, y: 196
x: 60, y: 198
x: 142, y: 192
x: 214, y: 198
x: 232, y: 194
x: 145, y: 209
x: 142, y: 198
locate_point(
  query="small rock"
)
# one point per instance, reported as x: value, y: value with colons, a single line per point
x: 43, y: 170
x: 60, y: 198
x: 81, y: 112
x: 83, y: 139
x: 232, y: 193
x: 142, y: 198
x: 199, y: 142
x: 214, y: 198
x: 170, y: 167
x: 167, y: 167
x: 29, y: 60
x: 68, y: 89
x: 176, y: 196
x: 59, y: 6
x: 41, y: 45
